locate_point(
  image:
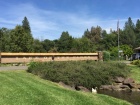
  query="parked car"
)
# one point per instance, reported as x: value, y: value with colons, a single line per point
x: 135, y: 56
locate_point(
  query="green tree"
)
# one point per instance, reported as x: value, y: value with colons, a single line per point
x: 38, y: 47
x: 65, y: 42
x: 26, y: 25
x: 5, y: 39
x: 96, y: 34
x: 86, y: 45
x: 16, y: 34
x: 87, y: 34
x: 127, y: 50
x: 104, y: 33
x: 137, y: 26
x: 48, y: 44
x: 109, y: 41
x: 137, y: 31
x: 114, y: 53
x: 82, y: 45
x: 20, y: 41
x: 29, y: 38
x: 128, y: 37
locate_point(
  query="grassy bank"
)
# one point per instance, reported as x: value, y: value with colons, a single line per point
x: 135, y: 73
x: 21, y: 88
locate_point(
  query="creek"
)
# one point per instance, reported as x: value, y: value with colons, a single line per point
x: 132, y: 97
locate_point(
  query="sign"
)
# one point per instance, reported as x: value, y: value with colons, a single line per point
x: 120, y: 51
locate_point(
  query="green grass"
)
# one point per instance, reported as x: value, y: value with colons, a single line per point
x: 135, y: 73
x: 22, y: 88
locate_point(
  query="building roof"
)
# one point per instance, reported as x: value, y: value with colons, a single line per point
x: 138, y: 48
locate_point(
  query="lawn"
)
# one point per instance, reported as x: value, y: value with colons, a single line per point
x: 22, y: 88
x: 135, y: 73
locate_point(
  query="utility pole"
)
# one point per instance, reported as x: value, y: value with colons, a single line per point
x: 0, y: 45
x: 118, y: 41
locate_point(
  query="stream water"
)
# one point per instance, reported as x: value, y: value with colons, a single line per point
x: 132, y: 97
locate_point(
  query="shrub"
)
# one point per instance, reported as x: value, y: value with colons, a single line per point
x: 136, y: 62
x: 75, y: 73
x: 106, y: 56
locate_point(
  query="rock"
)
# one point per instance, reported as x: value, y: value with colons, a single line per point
x: 133, y: 90
x: 127, y: 81
x: 124, y: 86
x: 116, y: 88
x: 81, y: 88
x: 106, y: 87
x: 66, y: 86
x: 133, y: 85
x: 127, y: 90
x: 119, y: 79
x: 117, y: 84
x: 138, y: 86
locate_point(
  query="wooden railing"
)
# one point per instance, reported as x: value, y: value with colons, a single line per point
x: 44, y: 57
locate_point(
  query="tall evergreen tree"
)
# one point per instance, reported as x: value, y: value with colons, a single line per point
x: 26, y: 25
x: 129, y: 37
x: 138, y: 26
x: 29, y: 38
x: 137, y: 31
x: 129, y: 24
x: 87, y: 34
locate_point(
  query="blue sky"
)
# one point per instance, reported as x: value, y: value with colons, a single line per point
x: 48, y: 18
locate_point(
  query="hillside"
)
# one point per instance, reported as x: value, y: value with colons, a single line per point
x: 22, y: 88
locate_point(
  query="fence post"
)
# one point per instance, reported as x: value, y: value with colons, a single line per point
x: 100, y: 56
x: 0, y: 57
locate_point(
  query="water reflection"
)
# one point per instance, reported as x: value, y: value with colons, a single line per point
x: 133, y: 97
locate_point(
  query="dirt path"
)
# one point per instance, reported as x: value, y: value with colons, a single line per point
x: 14, y: 68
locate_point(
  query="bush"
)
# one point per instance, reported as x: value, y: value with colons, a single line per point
x: 136, y: 62
x: 86, y: 73
x: 106, y: 56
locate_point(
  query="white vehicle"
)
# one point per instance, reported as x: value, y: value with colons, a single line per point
x: 135, y: 56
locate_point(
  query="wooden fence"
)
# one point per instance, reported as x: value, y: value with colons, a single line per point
x: 44, y: 57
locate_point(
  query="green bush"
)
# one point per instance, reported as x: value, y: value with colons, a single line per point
x: 106, y: 56
x: 136, y: 62
x: 75, y: 73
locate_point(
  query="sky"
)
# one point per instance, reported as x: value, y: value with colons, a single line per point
x: 49, y: 18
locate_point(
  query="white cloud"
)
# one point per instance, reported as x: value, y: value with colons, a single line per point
x: 50, y: 24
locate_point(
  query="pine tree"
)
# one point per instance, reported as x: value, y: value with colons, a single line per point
x: 29, y: 38
x: 26, y: 25
x: 87, y: 34
x: 129, y: 37
x: 137, y: 31
x: 137, y: 26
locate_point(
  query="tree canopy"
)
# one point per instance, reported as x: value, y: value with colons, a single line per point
x: 20, y: 39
